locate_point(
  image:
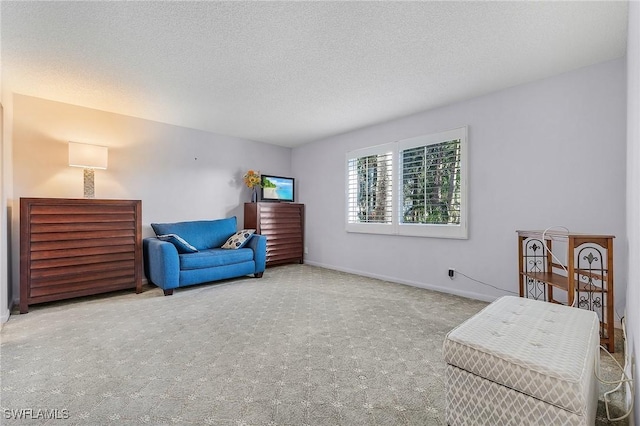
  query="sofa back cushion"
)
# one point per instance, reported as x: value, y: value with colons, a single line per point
x: 202, y: 234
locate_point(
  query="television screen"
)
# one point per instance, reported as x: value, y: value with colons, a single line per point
x: 277, y: 188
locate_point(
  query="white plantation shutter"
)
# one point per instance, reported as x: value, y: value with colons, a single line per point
x: 370, y: 189
x: 432, y: 194
x: 431, y: 184
x: 414, y: 187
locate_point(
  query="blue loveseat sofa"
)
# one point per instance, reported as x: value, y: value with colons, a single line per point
x: 188, y: 253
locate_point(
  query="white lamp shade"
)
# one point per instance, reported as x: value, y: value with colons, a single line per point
x: 88, y: 156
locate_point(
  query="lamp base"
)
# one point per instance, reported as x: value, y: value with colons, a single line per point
x: 89, y: 186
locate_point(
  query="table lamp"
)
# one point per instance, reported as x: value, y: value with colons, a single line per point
x: 90, y: 157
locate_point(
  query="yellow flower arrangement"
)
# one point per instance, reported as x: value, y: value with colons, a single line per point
x: 252, y: 179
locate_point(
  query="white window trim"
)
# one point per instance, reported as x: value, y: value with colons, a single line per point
x: 406, y: 229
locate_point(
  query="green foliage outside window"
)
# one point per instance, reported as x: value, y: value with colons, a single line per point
x: 373, y: 189
x: 431, y: 184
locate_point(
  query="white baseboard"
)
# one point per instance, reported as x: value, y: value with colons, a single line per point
x: 5, y: 315
x: 449, y: 290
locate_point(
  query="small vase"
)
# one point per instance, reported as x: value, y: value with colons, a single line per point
x: 254, y: 195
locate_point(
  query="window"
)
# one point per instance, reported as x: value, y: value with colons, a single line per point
x: 412, y: 187
x: 370, y: 189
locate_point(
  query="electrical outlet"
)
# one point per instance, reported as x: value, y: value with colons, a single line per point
x: 452, y: 273
x: 306, y: 250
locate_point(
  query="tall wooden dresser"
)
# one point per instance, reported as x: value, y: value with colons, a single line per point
x: 283, y: 224
x: 78, y: 247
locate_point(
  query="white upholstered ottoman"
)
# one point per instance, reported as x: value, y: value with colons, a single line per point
x: 523, y: 362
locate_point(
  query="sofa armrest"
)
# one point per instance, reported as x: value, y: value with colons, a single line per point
x: 161, y: 263
x: 258, y: 243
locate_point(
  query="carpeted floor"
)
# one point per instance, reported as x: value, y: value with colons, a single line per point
x: 301, y: 346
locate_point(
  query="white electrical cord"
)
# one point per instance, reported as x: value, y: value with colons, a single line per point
x: 483, y: 283
x: 544, y: 247
x: 624, y: 379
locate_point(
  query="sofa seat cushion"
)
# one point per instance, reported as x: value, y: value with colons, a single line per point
x: 202, y: 234
x: 214, y: 257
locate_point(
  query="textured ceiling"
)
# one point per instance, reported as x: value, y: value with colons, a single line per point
x: 289, y: 73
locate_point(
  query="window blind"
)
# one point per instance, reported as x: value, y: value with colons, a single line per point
x: 415, y: 187
x: 369, y: 187
x: 431, y: 177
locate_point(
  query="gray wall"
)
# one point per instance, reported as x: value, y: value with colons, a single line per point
x: 542, y: 154
x: 178, y: 173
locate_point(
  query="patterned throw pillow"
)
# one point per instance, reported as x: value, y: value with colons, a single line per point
x: 238, y: 239
x: 181, y: 244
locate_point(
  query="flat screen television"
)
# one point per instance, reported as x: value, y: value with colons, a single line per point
x: 277, y: 188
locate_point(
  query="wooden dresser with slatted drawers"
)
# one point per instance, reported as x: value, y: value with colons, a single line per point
x: 283, y: 224
x: 78, y: 247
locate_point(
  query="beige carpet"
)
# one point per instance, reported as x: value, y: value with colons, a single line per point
x: 301, y: 346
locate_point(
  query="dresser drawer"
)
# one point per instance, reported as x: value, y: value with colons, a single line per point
x: 78, y: 247
x: 283, y: 225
